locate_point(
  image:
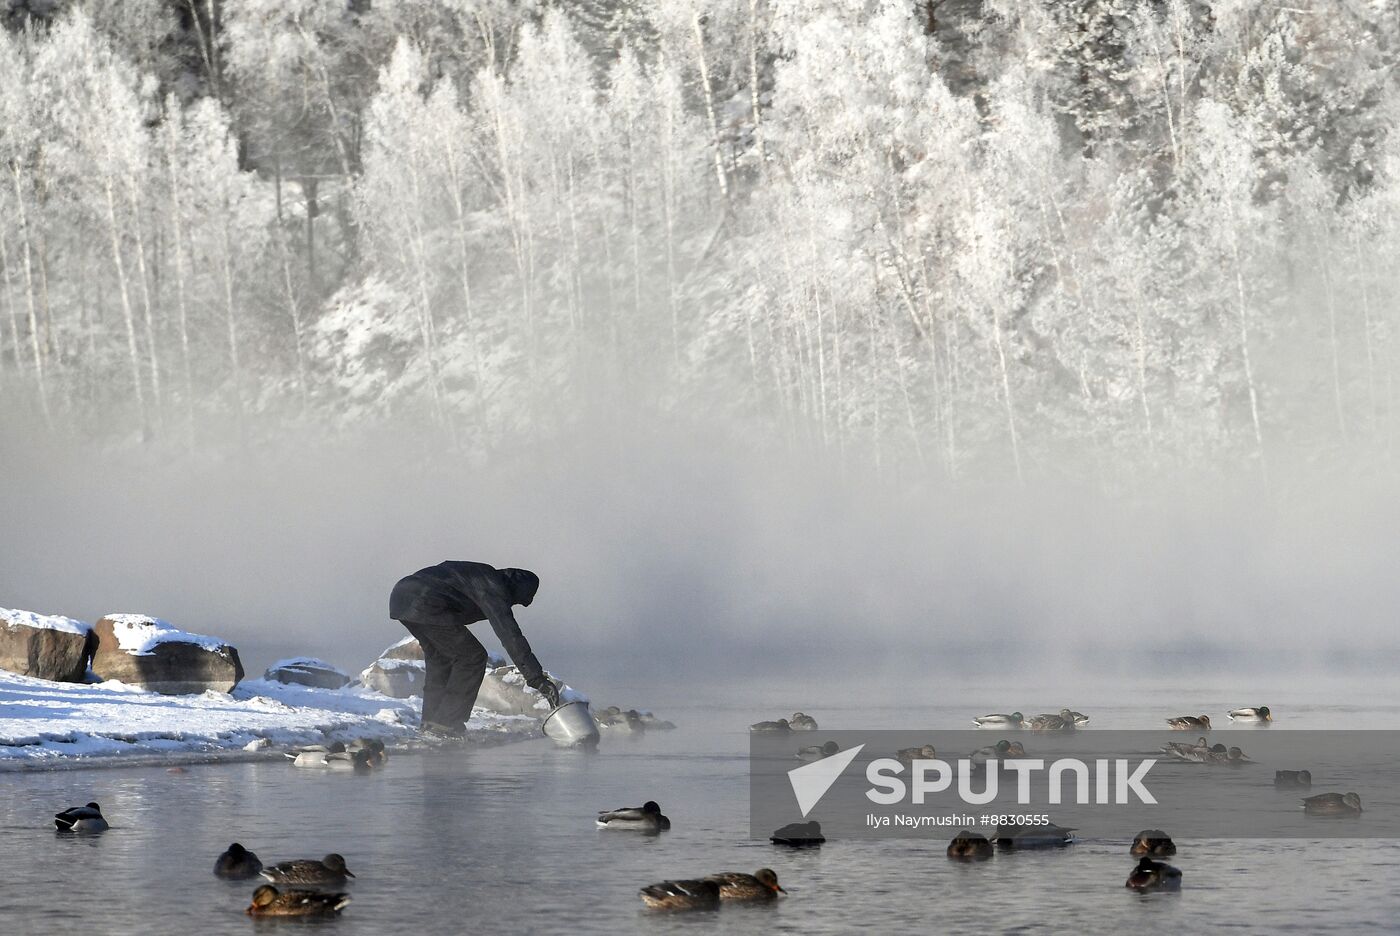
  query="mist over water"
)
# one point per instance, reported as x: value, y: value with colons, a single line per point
x: 682, y: 559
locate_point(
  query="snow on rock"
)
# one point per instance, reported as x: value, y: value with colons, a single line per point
x: 43, y: 724
x: 148, y: 652
x: 48, y: 646
x: 398, y: 679
x: 307, y: 671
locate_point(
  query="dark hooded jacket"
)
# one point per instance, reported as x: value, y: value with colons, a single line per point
x: 461, y: 593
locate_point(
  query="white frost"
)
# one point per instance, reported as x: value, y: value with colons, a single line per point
x: 55, y: 622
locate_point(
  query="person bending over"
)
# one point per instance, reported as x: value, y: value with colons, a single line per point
x: 436, y: 605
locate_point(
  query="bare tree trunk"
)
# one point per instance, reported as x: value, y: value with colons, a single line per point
x: 29, y: 296
x: 1325, y: 257
x: 152, y: 351
x: 9, y: 304
x: 1006, y: 390
x: 753, y: 84
x: 231, y: 326
x: 1242, y: 315
x: 699, y: 35
x: 181, y: 300
x: 128, y: 315
x: 295, y: 312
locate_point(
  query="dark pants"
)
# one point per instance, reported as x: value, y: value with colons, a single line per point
x: 456, y: 665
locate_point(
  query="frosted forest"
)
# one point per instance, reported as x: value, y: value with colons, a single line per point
x: 952, y: 239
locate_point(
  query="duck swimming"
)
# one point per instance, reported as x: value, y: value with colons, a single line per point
x: 1196, y: 753
x: 1333, y: 805
x: 1047, y: 722
x: 1014, y: 720
x: 644, y: 818
x: 738, y: 886
x: 81, y: 819
x: 970, y: 846
x: 815, y: 752
x: 1152, y: 875
x: 1190, y: 723
x: 980, y: 756
x: 682, y: 895
x: 1220, y: 756
x: 779, y: 725
x: 1293, y: 779
x: 1260, y: 714
x: 329, y: 870
x: 359, y: 761
x: 269, y: 901
x: 237, y: 864
x: 799, y: 834
x: 910, y: 754
x: 376, y: 755
x: 1152, y: 842
x: 1046, y: 836
x: 801, y: 722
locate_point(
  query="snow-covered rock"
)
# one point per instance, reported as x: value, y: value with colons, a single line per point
x: 46, y: 646
x: 395, y: 678
x: 307, y: 671
x: 149, y: 653
x: 45, y: 724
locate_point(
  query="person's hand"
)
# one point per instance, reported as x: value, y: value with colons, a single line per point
x: 550, y: 691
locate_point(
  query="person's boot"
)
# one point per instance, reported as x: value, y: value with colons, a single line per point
x: 438, y: 732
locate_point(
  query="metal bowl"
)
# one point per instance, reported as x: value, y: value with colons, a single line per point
x: 572, y: 724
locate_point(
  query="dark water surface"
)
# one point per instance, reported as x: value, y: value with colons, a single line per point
x: 502, y: 840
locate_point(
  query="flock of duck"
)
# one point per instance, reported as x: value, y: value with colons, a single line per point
x: 1149, y: 874
x: 308, y: 887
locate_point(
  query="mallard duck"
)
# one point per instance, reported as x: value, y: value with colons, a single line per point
x: 801, y: 722
x: 237, y: 864
x: 970, y: 846
x: 682, y: 895
x: 1014, y: 720
x: 1333, y: 804
x: 815, y: 752
x: 1047, y: 722
x: 1220, y: 756
x: 329, y: 870
x: 779, y: 725
x: 376, y: 755
x: 738, y: 886
x: 1044, y: 836
x: 644, y: 818
x: 269, y: 901
x: 1190, y: 723
x: 1293, y: 779
x: 1196, y: 753
x: 1260, y: 714
x: 799, y: 834
x: 1153, y: 842
x: 980, y: 756
x: 1152, y: 875
x: 1079, y: 717
x: 1015, y: 749
x: 334, y: 760
x: 910, y: 754
x: 81, y: 819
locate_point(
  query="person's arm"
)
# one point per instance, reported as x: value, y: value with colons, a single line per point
x: 508, y: 632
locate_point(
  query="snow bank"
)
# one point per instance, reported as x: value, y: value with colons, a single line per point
x: 46, y: 724
x: 139, y: 634
x: 56, y: 622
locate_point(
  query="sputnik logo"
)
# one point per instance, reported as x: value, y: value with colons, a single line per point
x: 811, y: 781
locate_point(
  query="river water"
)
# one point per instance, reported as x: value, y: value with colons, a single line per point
x: 502, y: 840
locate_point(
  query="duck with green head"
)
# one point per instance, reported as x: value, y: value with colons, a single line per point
x: 1014, y: 720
